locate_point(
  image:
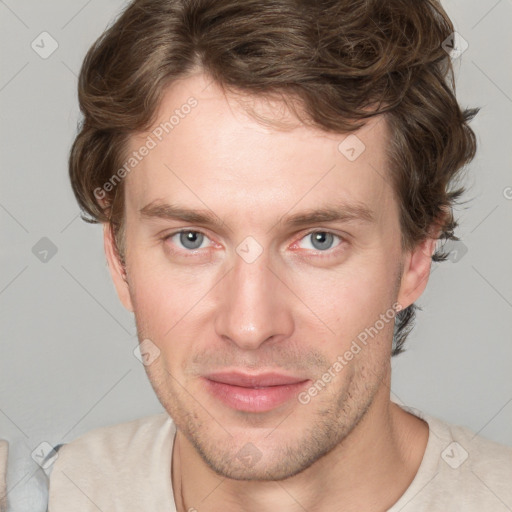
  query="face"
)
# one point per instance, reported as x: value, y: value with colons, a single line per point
x: 256, y: 259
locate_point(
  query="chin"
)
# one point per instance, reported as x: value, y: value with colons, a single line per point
x: 263, y: 460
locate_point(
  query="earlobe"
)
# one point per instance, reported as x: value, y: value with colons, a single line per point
x: 117, y: 271
x: 416, y: 271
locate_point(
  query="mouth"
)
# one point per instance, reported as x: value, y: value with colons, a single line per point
x: 253, y: 393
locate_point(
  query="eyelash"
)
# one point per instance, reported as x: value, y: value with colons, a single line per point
x: 320, y: 254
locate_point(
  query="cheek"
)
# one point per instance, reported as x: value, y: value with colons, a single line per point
x: 167, y: 300
x: 347, y: 300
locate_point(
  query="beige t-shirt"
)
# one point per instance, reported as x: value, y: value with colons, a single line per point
x: 127, y: 467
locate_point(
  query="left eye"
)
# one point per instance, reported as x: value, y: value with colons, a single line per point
x: 190, y: 239
x: 320, y: 240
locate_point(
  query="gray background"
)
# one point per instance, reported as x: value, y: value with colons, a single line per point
x: 67, y: 362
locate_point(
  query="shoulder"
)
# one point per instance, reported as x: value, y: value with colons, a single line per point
x: 112, y: 465
x: 488, y: 461
x: 460, y: 470
x: 476, y: 470
x: 116, y: 444
x: 114, y: 438
x: 460, y: 446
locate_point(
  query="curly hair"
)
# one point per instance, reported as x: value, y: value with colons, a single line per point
x: 335, y: 63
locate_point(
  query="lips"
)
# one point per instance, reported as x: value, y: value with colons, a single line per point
x: 253, y: 393
x: 245, y: 380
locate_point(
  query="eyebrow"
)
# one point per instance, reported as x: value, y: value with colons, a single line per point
x: 341, y: 212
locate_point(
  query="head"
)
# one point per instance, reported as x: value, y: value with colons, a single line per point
x: 295, y: 111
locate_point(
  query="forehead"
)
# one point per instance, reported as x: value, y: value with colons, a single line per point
x: 206, y: 151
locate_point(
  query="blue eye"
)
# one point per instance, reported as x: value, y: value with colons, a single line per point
x: 321, y: 240
x: 190, y: 240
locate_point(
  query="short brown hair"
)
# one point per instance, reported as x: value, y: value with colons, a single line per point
x: 334, y: 62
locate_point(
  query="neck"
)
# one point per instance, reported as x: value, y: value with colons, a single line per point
x: 369, y: 470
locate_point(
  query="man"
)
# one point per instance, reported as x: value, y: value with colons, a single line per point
x: 273, y: 177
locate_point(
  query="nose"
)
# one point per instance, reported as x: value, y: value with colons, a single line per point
x: 254, y: 305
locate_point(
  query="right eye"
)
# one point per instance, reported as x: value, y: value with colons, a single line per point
x: 190, y: 240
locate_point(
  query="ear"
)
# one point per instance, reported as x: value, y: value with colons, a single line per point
x: 416, y: 271
x: 116, y: 268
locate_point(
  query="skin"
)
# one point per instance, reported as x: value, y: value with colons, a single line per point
x: 294, y: 309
